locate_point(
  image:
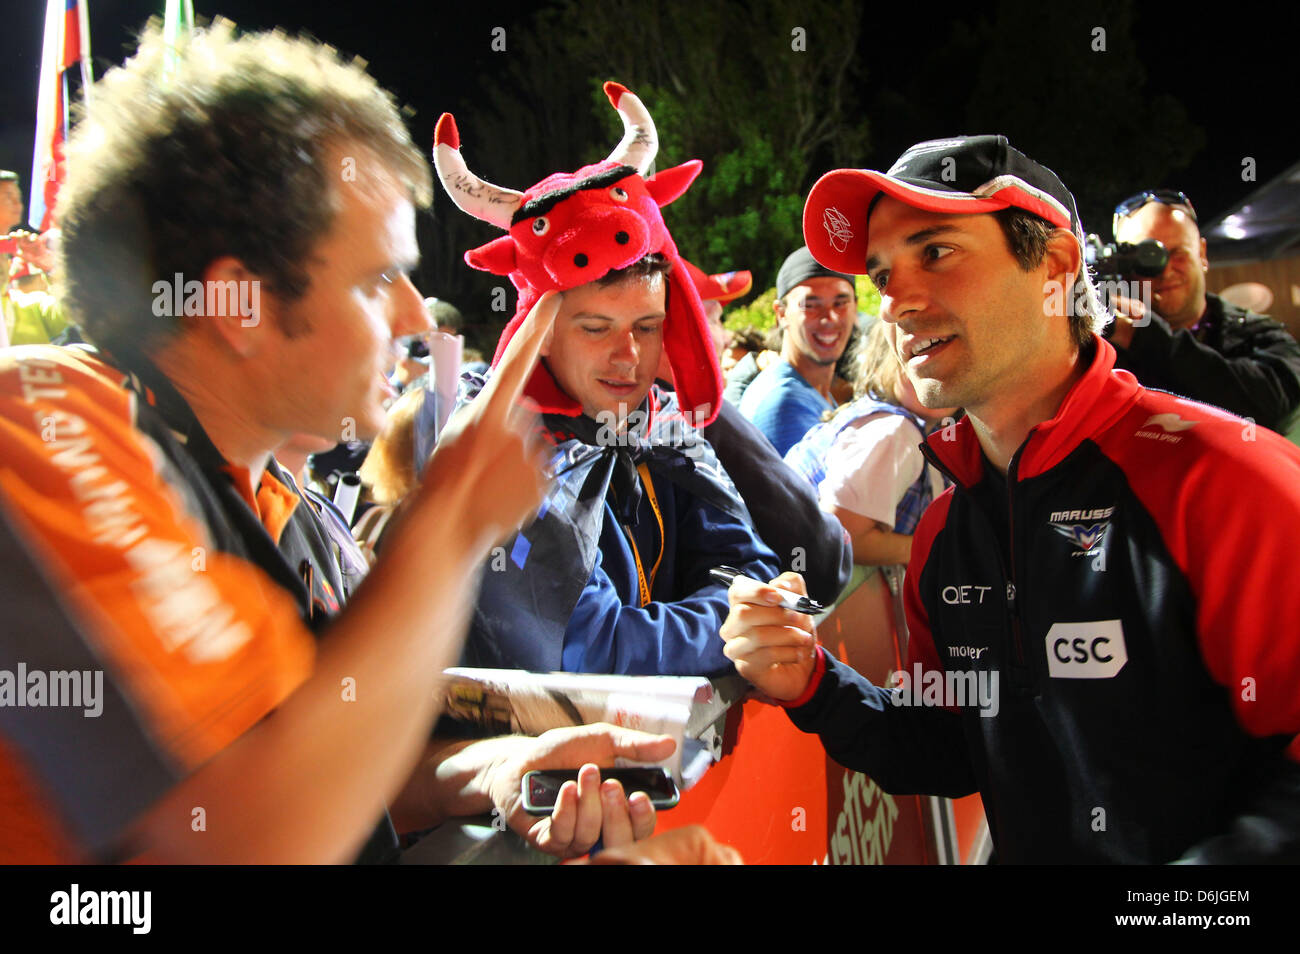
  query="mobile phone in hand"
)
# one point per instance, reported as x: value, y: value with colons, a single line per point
x: 541, y: 788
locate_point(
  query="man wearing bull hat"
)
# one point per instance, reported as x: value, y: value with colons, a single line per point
x: 614, y: 574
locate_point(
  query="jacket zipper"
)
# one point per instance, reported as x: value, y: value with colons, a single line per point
x: 1012, y: 606
x: 1020, y: 679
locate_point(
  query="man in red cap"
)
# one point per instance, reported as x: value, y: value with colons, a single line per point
x: 1102, y: 623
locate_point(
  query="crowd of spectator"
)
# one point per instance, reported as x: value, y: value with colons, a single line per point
x: 171, y: 487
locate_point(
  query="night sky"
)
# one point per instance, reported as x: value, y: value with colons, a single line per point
x: 1234, y: 71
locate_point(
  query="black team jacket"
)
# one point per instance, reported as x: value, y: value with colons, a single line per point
x: 1105, y: 644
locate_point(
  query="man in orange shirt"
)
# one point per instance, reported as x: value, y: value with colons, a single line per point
x: 242, y: 268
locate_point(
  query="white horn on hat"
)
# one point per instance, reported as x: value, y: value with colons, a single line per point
x: 640, y: 142
x: 481, y: 199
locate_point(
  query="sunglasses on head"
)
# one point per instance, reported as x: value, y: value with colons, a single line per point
x: 1163, y: 196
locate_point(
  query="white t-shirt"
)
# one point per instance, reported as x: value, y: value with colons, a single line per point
x: 871, y: 465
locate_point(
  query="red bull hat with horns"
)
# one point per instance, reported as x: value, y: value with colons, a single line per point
x: 574, y: 228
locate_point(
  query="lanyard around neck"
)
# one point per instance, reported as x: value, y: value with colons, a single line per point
x: 644, y: 587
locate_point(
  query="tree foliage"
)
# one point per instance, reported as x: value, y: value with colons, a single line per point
x: 1073, y: 96
x: 772, y: 94
x: 767, y: 108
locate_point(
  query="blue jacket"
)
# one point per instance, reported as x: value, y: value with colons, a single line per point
x: 783, y: 405
x: 564, y: 594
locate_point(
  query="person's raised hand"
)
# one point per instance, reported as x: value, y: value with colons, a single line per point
x: 487, y: 472
x: 33, y: 249
x: 773, y: 647
x: 1129, y: 314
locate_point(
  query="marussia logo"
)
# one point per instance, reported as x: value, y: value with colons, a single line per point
x: 1083, y: 537
x: 837, y: 228
x: 1084, y: 528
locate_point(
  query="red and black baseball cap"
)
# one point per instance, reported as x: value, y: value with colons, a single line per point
x: 965, y: 174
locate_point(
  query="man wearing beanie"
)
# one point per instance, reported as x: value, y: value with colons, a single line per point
x: 816, y: 307
x: 1102, y: 611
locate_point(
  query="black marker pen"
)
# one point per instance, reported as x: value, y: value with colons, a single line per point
x: 793, y: 601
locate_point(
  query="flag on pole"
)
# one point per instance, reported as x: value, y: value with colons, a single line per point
x: 178, y: 23
x: 67, y: 44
